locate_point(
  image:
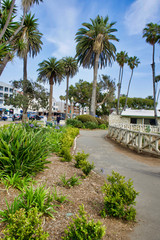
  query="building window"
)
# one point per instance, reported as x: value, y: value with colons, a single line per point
x: 1, y: 101
x: 134, y: 120
x: 1, y: 88
x: 11, y: 90
x: 1, y: 94
x: 5, y: 95
x: 6, y: 89
x: 11, y: 96
x: 148, y: 121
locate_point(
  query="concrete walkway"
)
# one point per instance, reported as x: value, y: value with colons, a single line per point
x: 146, y: 178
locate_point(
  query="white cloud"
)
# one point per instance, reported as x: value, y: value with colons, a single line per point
x: 140, y: 13
x: 62, y: 27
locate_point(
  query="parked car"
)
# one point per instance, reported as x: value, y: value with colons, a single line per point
x: 16, y: 117
x: 4, y: 117
x: 35, y: 117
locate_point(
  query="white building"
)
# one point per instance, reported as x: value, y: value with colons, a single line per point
x: 7, y: 90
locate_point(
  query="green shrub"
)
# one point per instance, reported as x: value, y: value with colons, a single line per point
x: 22, y: 151
x: 101, y: 121
x: 25, y: 226
x: 87, y: 167
x: 102, y: 126
x: 87, y: 118
x: 119, y: 197
x: 80, y: 157
x: 71, y: 182
x: 91, y: 125
x: 29, y: 198
x: 82, y: 228
x: 81, y: 162
x: 65, y: 153
x: 59, y: 197
x: 16, y: 180
x: 74, y: 122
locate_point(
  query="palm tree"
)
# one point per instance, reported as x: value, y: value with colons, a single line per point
x: 52, y: 71
x: 121, y: 58
x: 152, y: 35
x: 95, y: 49
x: 16, y: 28
x: 29, y: 42
x: 70, y: 70
x: 132, y: 63
x: 26, y: 4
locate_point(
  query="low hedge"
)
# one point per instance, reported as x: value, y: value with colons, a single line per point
x: 87, y: 118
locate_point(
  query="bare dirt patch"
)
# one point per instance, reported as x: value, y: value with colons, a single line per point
x: 141, y: 157
x: 88, y: 193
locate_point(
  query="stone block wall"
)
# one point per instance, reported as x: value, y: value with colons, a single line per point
x: 116, y: 119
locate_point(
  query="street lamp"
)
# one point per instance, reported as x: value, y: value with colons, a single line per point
x: 72, y: 106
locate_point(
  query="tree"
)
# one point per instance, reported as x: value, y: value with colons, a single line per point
x: 52, y: 71
x: 36, y: 96
x: 29, y: 42
x: 8, y: 13
x: 132, y: 63
x: 81, y: 93
x: 106, y: 90
x: 70, y: 70
x: 121, y: 59
x: 152, y: 35
x: 136, y: 103
x: 95, y: 49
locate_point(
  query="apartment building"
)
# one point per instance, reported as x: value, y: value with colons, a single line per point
x: 6, y: 90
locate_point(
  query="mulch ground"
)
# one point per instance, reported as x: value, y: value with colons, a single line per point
x: 88, y: 193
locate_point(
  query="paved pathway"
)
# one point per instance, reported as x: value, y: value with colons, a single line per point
x: 146, y: 179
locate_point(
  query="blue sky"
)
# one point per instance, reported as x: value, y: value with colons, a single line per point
x: 59, y: 22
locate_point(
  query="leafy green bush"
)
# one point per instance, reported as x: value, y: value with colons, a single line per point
x: 15, y: 180
x: 22, y: 151
x: 87, y: 167
x: 82, y: 228
x: 119, y: 197
x: 59, y: 197
x: 29, y: 198
x: 71, y: 182
x: 80, y: 157
x: 87, y: 118
x: 25, y: 226
x: 81, y: 162
x: 74, y: 122
x: 101, y: 121
x: 65, y: 153
x: 91, y: 125
x: 102, y: 126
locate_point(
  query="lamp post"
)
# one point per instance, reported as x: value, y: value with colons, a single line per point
x: 72, y: 106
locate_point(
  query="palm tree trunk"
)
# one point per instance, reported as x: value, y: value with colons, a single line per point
x: 118, y: 97
x: 67, y: 97
x: 154, y: 90
x: 128, y: 91
x: 4, y: 63
x: 50, y: 100
x: 93, y: 99
x: 25, y: 107
x: 8, y: 19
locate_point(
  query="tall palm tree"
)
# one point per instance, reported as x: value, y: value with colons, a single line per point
x: 132, y: 63
x: 10, y: 14
x: 26, y: 4
x: 70, y: 70
x: 121, y: 58
x: 29, y: 42
x: 52, y: 71
x: 152, y: 35
x: 95, y: 49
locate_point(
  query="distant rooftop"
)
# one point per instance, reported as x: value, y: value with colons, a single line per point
x: 139, y: 113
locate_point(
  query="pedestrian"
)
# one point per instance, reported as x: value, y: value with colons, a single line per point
x: 58, y: 119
